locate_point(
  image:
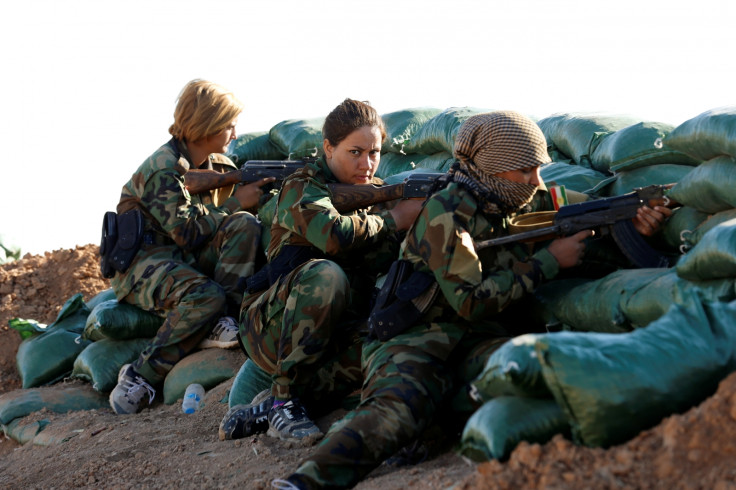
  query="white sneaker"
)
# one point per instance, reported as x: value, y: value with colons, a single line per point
x: 132, y: 393
x: 224, y: 335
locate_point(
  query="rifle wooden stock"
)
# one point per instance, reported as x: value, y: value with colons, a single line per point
x: 348, y: 197
x: 202, y: 180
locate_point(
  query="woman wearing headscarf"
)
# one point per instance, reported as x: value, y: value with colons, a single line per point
x: 496, y: 175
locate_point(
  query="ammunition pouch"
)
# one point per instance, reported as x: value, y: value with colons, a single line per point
x: 405, y: 297
x: 121, y: 240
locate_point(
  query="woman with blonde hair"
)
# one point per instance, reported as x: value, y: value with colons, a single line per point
x: 192, y: 252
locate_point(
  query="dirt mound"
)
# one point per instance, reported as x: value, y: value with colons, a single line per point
x: 35, y: 287
x: 161, y: 447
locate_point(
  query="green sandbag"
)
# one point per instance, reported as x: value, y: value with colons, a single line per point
x: 401, y: 126
x: 707, y: 135
x: 713, y: 257
x: 58, y: 399
x: 297, y: 138
x: 679, y: 228
x: 24, y: 432
x: 100, y: 362
x: 254, y: 146
x: 249, y: 381
x: 208, y: 367
x: 573, y: 177
x: 710, y: 187
x: 438, y: 162
x: 120, y: 321
x: 576, y: 135
x: 629, y: 180
x: 105, y: 295
x: 652, y: 301
x: 395, y: 163
x: 49, y: 357
x: 595, y: 306
x: 72, y: 316
x: 696, y: 234
x: 548, y: 295
x: 613, y: 386
x: 638, y: 145
x: 513, y: 369
x: 438, y: 134
x: 497, y: 427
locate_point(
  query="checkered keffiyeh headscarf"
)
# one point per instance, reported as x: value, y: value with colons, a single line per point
x: 496, y: 142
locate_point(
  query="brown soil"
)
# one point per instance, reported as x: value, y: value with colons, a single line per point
x: 163, y: 448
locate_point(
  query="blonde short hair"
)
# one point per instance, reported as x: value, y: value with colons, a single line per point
x: 203, y: 109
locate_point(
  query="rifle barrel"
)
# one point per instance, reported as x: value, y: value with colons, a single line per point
x: 525, y: 236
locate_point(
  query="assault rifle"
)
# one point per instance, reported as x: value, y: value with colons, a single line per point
x: 200, y: 180
x: 345, y: 197
x: 608, y: 215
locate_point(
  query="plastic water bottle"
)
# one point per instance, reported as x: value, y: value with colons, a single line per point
x: 192, y: 398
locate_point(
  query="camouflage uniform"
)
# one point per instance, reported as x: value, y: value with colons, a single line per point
x: 196, y: 254
x: 408, y: 377
x: 311, y: 315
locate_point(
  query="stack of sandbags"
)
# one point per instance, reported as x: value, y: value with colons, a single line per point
x: 573, y: 137
x: 709, y: 189
x: 604, y: 382
x: 601, y: 388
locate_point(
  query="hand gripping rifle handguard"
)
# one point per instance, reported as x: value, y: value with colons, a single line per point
x: 608, y: 215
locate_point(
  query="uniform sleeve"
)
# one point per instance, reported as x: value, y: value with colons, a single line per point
x: 474, y: 287
x: 186, y: 220
x: 305, y: 209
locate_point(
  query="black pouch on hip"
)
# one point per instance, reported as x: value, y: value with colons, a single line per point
x: 406, y: 295
x: 121, y: 240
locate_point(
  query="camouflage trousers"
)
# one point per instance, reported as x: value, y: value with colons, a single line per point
x: 191, y: 291
x: 407, y: 380
x: 294, y: 330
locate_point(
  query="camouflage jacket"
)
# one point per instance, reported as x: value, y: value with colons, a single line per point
x: 178, y: 222
x: 157, y: 189
x: 363, y: 242
x: 476, y: 286
x: 305, y: 216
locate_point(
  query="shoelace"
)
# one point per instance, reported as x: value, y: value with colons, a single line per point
x: 135, y: 389
x: 225, y: 324
x: 293, y: 410
x: 283, y: 485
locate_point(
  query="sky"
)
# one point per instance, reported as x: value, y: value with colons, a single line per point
x: 89, y: 86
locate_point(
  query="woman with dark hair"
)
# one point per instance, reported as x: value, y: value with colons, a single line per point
x: 196, y: 250
x: 411, y: 376
x: 318, y: 282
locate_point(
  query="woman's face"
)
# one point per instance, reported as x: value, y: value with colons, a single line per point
x: 219, y: 142
x: 355, y: 159
x: 529, y: 175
